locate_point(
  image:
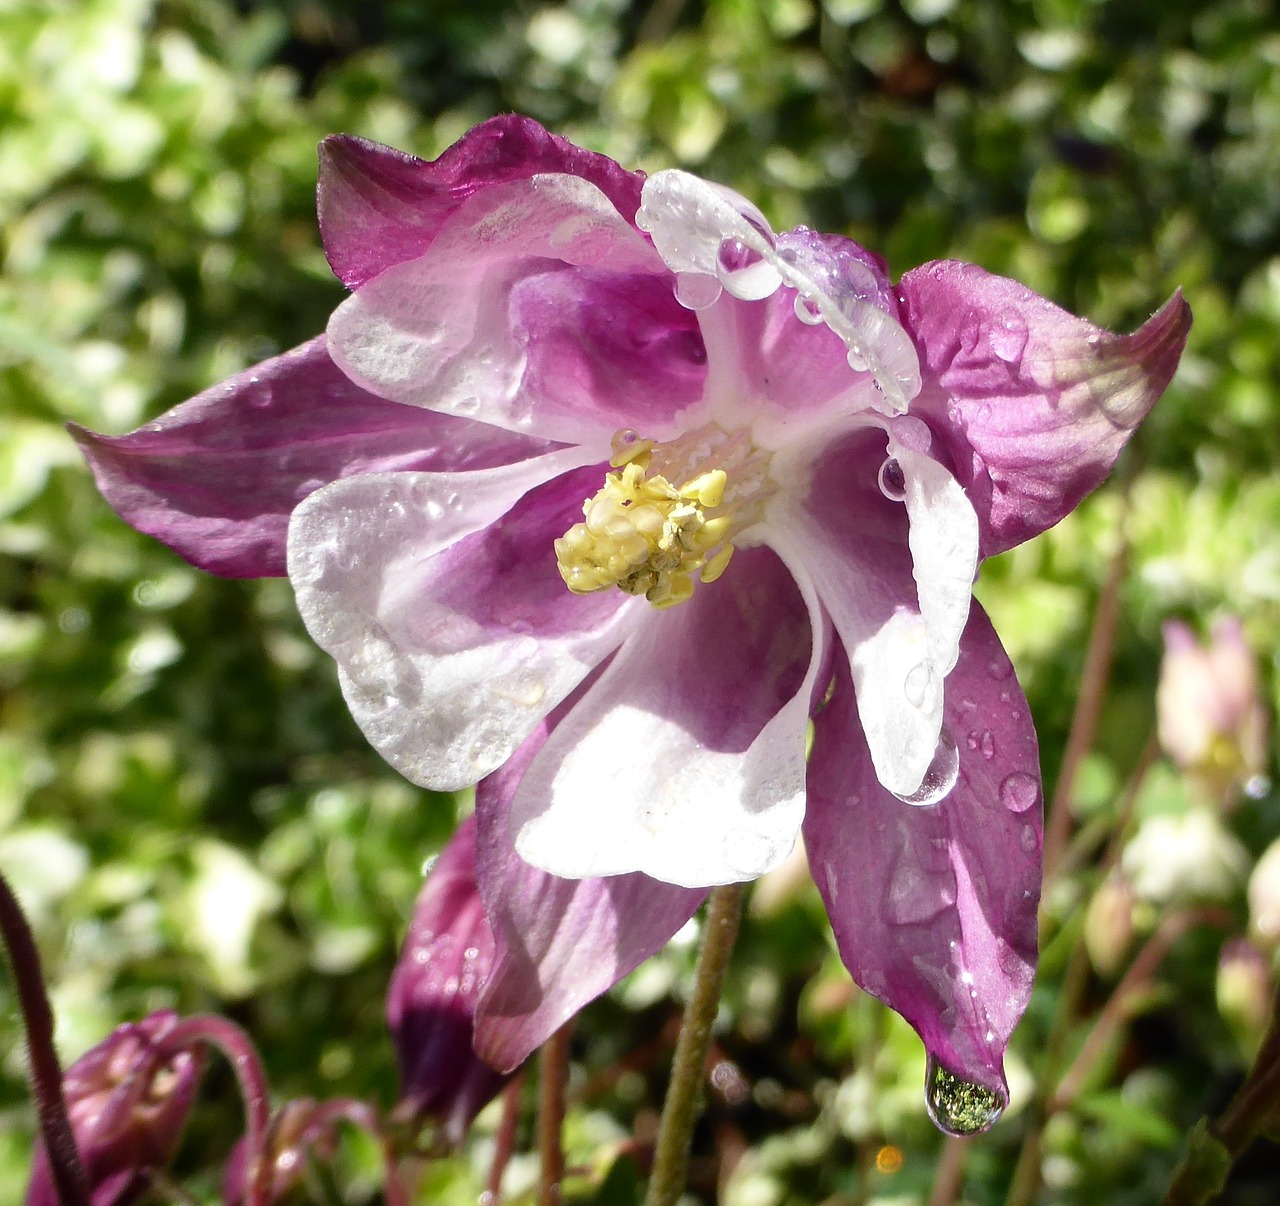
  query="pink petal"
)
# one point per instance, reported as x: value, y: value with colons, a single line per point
x: 1034, y: 403
x: 380, y: 207
x: 443, y: 331
x: 934, y: 908
x: 560, y: 943
x: 685, y: 760
x: 217, y: 477
x: 439, y: 597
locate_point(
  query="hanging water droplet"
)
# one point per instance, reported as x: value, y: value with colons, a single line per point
x: 807, y: 311
x: 892, y: 481
x: 697, y: 290
x: 858, y: 362
x: 941, y: 776
x: 1019, y: 791
x: 959, y: 1107
x: 744, y: 271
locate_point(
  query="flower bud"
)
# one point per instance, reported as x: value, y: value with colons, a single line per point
x: 1244, y: 992
x: 1264, y: 898
x: 431, y: 1003
x: 127, y: 1103
x: 1210, y: 716
x: 298, y: 1129
x: 1109, y: 924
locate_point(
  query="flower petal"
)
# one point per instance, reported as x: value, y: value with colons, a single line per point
x: 380, y: 207
x: 439, y: 597
x: 1034, y: 403
x: 560, y: 943
x: 685, y: 760
x: 217, y: 477
x: 934, y: 908
x: 439, y: 331
x: 896, y: 580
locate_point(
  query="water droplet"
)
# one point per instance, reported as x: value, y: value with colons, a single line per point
x: 1029, y: 838
x: 1019, y: 791
x: 941, y: 776
x: 917, y: 684
x: 807, y: 311
x: 988, y: 744
x: 697, y: 290
x: 1008, y: 337
x: 744, y: 271
x: 858, y: 362
x: 959, y: 1107
x: 893, y: 482
x: 972, y: 741
x: 1256, y: 787
x: 1000, y: 667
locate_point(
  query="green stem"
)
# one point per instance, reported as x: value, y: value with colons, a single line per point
x: 680, y: 1111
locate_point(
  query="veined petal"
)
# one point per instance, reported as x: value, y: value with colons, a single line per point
x: 934, y: 909
x: 217, y: 477
x: 439, y: 331
x: 1034, y: 403
x: 685, y: 760
x: 560, y: 942
x: 380, y: 207
x: 439, y: 598
x: 896, y: 581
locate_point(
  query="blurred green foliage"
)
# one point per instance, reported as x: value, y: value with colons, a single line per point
x: 191, y: 817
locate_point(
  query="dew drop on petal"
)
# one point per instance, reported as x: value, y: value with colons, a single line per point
x: 1008, y: 337
x: 893, y: 482
x: 807, y: 311
x: 987, y: 745
x: 858, y: 362
x: 916, y: 684
x: 1019, y: 791
x: 1257, y: 787
x: 941, y: 776
x: 959, y: 1107
x: 697, y: 290
x: 744, y: 272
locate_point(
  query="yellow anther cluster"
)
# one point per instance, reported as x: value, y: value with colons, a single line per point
x: 644, y: 535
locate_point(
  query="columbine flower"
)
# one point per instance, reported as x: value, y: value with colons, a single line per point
x: 127, y: 1100
x: 1211, y: 718
x: 582, y: 439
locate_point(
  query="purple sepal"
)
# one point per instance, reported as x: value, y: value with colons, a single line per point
x: 217, y: 477
x: 560, y: 943
x: 128, y: 1106
x: 1032, y: 403
x: 380, y: 207
x: 934, y: 908
x: 431, y: 1002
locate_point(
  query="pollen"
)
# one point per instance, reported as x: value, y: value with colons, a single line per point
x: 647, y: 535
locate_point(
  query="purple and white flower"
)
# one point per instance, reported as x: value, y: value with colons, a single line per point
x: 601, y: 488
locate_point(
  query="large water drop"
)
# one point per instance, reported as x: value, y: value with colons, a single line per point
x: 745, y: 272
x: 941, y: 776
x: 1019, y: 791
x: 959, y: 1107
x: 697, y: 290
x: 892, y: 480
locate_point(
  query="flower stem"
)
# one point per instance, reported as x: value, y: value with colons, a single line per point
x: 680, y: 1111
x: 505, y: 1141
x: 238, y: 1047
x: 46, y: 1075
x: 361, y: 1114
x: 553, y: 1077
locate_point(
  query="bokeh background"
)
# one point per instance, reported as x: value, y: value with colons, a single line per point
x: 194, y: 822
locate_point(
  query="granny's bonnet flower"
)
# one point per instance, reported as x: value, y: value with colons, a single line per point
x: 603, y: 473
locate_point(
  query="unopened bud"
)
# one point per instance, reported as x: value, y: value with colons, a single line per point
x: 1109, y: 924
x: 1244, y: 992
x: 127, y: 1101
x: 1210, y: 716
x: 299, y: 1129
x: 1264, y: 898
x: 431, y: 1003
x: 1178, y: 859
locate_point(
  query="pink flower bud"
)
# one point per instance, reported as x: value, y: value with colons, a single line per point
x: 1244, y: 992
x: 1109, y: 924
x: 1264, y: 898
x: 299, y: 1128
x: 431, y: 1003
x: 1211, y: 719
x: 127, y: 1103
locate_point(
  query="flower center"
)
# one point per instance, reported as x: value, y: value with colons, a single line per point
x: 647, y: 535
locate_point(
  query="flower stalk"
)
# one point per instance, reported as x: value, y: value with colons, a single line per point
x: 553, y: 1078
x: 46, y: 1074
x: 680, y: 1110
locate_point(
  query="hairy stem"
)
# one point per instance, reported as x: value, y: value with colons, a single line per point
x: 680, y: 1111
x: 553, y: 1078
x: 46, y: 1074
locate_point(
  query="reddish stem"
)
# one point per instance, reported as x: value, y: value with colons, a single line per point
x: 553, y: 1078
x: 69, y: 1177
x: 505, y: 1142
